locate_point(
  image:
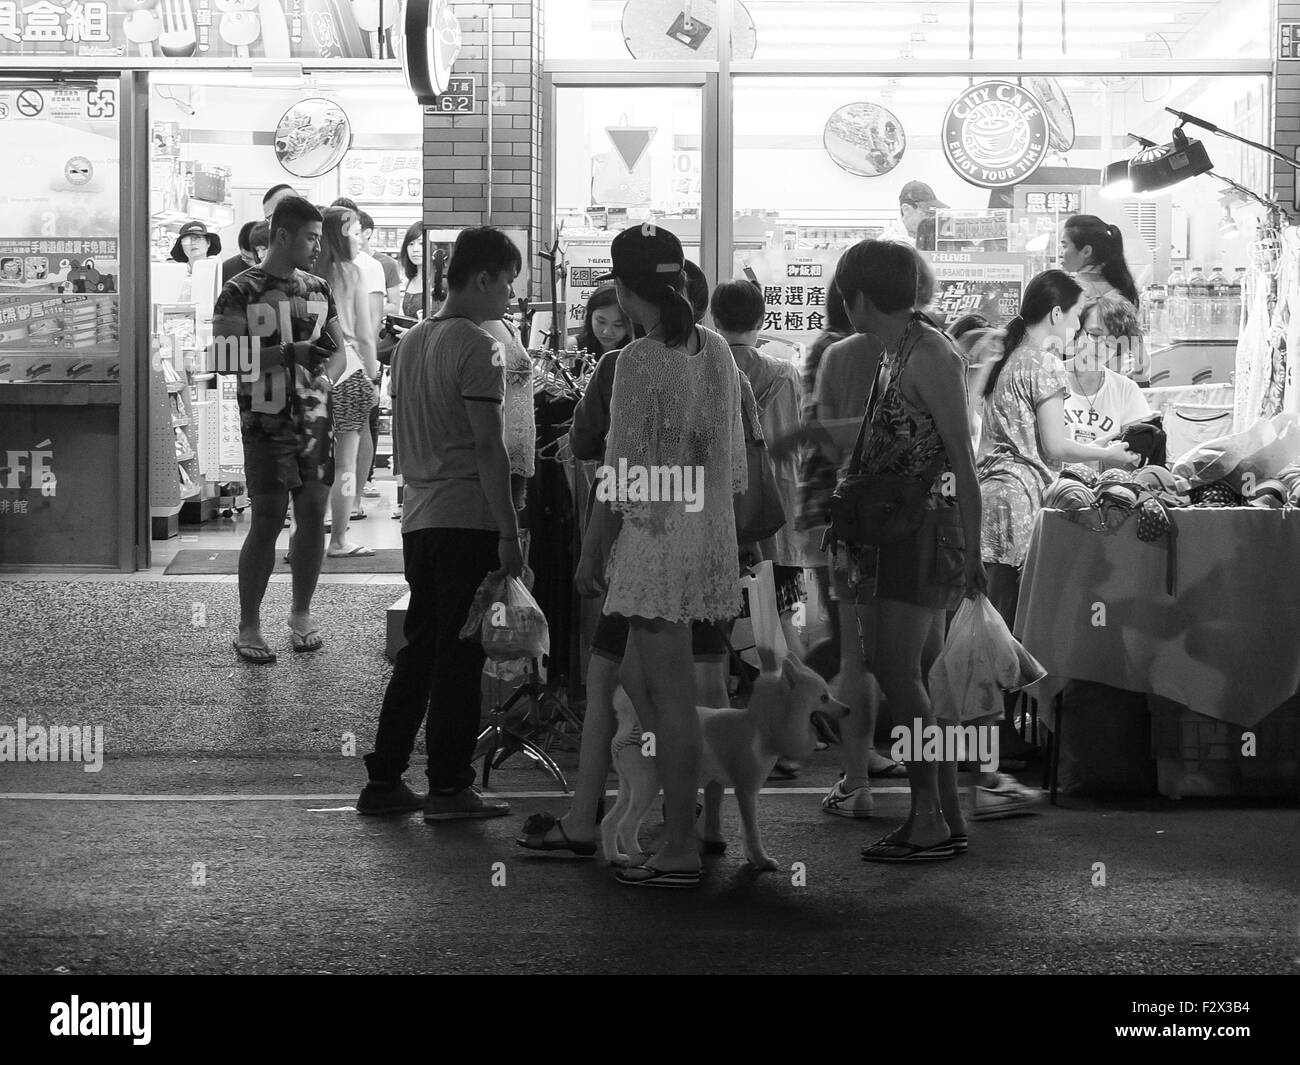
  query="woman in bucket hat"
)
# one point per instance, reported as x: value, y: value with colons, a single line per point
x: 195, y: 241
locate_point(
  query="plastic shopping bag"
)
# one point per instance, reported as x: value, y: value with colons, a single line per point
x: 514, y: 626
x: 1260, y: 450
x: 769, y: 638
x: 506, y: 620
x: 491, y: 590
x: 979, y: 661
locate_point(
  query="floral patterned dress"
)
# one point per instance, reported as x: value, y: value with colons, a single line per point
x: 1013, y: 469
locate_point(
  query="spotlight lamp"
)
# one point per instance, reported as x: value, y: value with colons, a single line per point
x: 1159, y: 167
x: 1116, y: 183
x: 1157, y: 170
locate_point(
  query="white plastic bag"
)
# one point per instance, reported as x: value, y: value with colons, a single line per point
x: 514, y: 626
x: 979, y: 661
x: 769, y: 637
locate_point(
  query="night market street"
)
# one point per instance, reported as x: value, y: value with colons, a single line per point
x: 293, y: 881
x: 220, y: 837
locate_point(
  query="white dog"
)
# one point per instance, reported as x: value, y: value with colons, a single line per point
x: 740, y: 747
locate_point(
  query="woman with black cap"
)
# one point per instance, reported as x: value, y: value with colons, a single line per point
x: 674, y: 419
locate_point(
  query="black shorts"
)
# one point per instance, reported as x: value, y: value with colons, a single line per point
x: 280, y: 455
x: 610, y: 639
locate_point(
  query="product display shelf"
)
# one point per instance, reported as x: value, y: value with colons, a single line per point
x: 174, y: 477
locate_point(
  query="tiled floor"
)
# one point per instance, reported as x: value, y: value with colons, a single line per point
x: 377, y: 531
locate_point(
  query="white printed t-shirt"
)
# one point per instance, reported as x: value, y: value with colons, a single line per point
x: 1118, y: 402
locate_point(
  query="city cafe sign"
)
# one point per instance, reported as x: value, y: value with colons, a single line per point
x: 995, y: 134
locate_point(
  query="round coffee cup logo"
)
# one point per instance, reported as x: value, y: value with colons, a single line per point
x: 995, y: 134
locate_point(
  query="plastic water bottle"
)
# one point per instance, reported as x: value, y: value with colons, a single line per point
x: 1155, y: 310
x: 1198, y: 305
x: 1218, y: 286
x: 1236, y: 289
x: 1177, y: 304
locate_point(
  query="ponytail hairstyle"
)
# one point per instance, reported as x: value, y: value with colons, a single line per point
x: 1107, y: 251
x: 1043, y: 294
x: 667, y: 293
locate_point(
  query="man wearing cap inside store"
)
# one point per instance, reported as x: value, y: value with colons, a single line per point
x: 916, y: 202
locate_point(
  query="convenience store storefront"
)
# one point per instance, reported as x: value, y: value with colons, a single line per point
x: 772, y: 134
x: 119, y: 127
x: 767, y: 155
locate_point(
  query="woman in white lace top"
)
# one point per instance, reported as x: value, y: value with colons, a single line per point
x: 664, y: 542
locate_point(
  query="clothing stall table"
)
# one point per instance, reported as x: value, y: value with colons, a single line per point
x: 1095, y: 607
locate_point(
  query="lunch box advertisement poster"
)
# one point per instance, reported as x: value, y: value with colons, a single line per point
x: 148, y: 29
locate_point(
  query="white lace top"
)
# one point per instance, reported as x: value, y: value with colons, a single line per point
x: 670, y: 411
x: 518, y: 422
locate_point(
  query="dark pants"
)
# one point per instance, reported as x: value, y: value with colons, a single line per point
x: 444, y: 568
x: 374, y: 439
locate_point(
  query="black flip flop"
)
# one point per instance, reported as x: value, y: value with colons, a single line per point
x: 251, y: 652
x: 907, y: 852
x: 540, y: 824
x: 713, y: 847
x: 661, y: 878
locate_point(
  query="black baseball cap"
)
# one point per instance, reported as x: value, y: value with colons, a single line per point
x: 645, y: 253
x: 919, y: 194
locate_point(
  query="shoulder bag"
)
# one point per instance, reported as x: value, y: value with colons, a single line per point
x: 759, y: 513
x: 873, y: 509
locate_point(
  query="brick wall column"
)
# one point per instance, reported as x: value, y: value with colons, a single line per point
x: 456, y: 146
x: 1286, y: 106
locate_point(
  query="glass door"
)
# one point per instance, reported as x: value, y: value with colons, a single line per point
x: 622, y: 155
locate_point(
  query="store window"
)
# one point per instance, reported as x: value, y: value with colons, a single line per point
x: 821, y: 163
x: 623, y: 155
x: 218, y: 144
x: 60, y: 316
x: 659, y: 31
x: 914, y: 31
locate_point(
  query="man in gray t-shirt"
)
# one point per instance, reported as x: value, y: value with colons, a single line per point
x: 445, y: 365
x: 458, y: 525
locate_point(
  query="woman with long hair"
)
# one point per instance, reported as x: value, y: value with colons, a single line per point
x: 1093, y: 251
x: 411, y: 260
x: 1023, y: 446
x: 675, y: 407
x: 916, y: 429
x: 604, y: 326
x: 354, y: 391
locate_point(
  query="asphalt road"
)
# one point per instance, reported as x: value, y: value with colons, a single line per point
x: 298, y: 883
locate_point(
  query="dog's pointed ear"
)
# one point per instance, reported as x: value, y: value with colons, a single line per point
x: 790, y: 671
